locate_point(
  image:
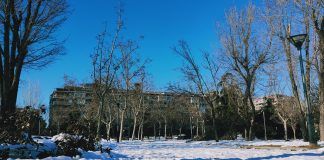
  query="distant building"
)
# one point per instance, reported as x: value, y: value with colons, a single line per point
x: 259, y: 103
x: 62, y: 102
x: 65, y: 101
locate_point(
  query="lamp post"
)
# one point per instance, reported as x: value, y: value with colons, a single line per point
x: 297, y: 41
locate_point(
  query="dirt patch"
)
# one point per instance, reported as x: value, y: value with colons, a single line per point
x: 261, y: 147
x: 292, y: 148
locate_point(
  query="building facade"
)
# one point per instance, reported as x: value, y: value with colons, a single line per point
x: 67, y: 101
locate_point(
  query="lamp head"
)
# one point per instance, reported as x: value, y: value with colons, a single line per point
x: 297, y: 40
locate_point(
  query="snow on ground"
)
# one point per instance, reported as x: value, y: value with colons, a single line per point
x: 182, y: 149
x: 179, y: 149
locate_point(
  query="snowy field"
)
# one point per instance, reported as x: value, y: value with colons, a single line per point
x: 237, y: 149
x: 181, y: 149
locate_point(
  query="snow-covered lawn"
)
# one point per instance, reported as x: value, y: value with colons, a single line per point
x: 182, y: 149
x: 179, y: 149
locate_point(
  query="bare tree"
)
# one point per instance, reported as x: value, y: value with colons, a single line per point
x: 246, y: 51
x: 105, y: 66
x: 28, y: 42
x: 284, y: 107
x: 138, y: 108
x: 110, y: 110
x: 131, y: 68
x: 31, y: 94
x: 182, y: 112
x: 155, y: 112
x: 294, y: 118
x: 147, y: 86
x: 137, y: 105
x: 193, y: 74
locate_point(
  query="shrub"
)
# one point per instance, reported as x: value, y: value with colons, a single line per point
x: 17, y: 127
x: 68, y: 144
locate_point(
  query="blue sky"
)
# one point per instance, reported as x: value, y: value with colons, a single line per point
x: 161, y: 22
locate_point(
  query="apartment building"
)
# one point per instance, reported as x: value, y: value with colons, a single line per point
x: 67, y: 100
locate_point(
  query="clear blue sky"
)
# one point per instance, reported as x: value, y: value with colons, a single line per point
x: 161, y: 22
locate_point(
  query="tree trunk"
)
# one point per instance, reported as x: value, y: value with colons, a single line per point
x: 142, y: 126
x: 117, y: 127
x: 294, y: 131
x: 321, y: 81
x: 284, y: 123
x: 99, y: 117
x: 165, y: 128
x: 285, y: 128
x: 108, y: 127
x: 197, y: 127
x: 303, y: 128
x: 160, y: 130
x: 89, y: 128
x: 180, y: 131
x: 245, y: 134
x: 321, y: 125
x: 203, y: 128
x: 191, y: 132
x: 265, y: 127
x: 251, y: 136
x: 121, y: 125
x: 129, y: 130
x: 214, y: 123
x: 9, y: 90
x: 142, y: 133
x: 139, y: 131
x: 134, y: 127
x: 154, y: 132
x: 171, y: 131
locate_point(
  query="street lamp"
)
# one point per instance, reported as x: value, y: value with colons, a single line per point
x: 297, y: 41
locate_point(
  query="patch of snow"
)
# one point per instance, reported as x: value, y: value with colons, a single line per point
x: 60, y: 137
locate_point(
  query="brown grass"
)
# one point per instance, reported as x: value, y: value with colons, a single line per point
x: 292, y: 148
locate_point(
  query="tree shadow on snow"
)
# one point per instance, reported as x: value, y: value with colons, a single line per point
x: 288, y: 155
x: 268, y: 157
x: 117, y: 156
x: 213, y: 158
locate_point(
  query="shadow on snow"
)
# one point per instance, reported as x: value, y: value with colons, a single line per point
x: 267, y: 157
x: 288, y: 155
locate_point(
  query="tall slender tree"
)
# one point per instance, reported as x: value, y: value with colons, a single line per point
x: 106, y: 64
x: 131, y: 69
